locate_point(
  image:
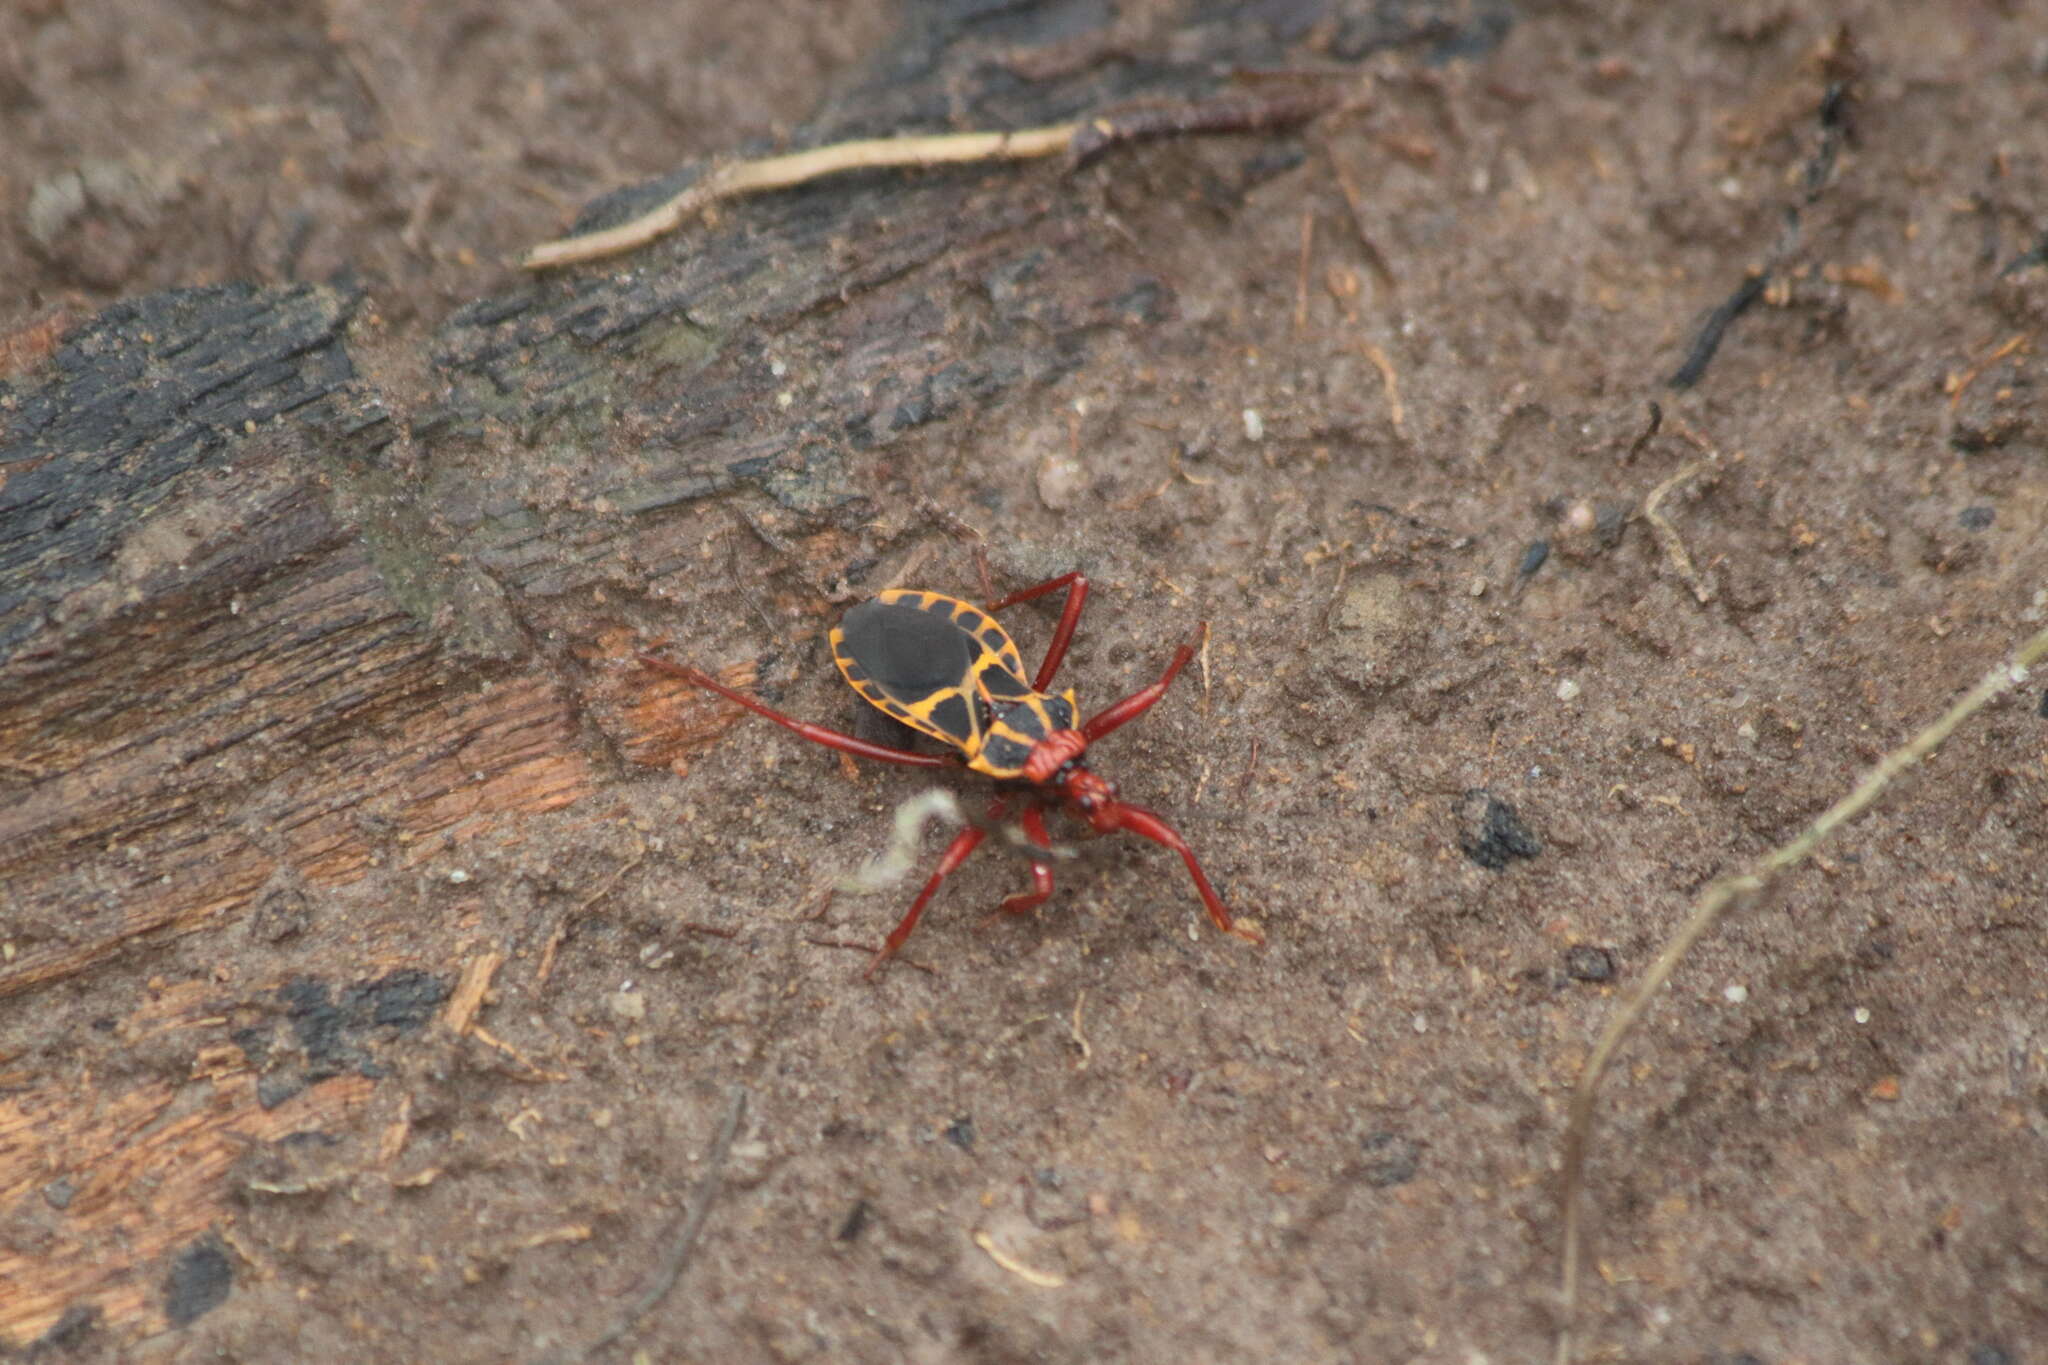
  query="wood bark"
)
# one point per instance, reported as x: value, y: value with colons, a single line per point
x: 267, y: 624
x: 263, y: 628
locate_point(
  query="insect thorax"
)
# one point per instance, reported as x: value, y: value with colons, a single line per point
x: 1014, y: 727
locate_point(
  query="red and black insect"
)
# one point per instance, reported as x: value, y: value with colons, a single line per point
x: 944, y: 667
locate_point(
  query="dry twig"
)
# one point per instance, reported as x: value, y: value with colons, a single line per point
x: 1378, y: 356
x: 871, y: 949
x: 1044, y: 1279
x: 685, y: 1241
x: 1081, y: 140
x: 1667, y: 534
x: 1714, y: 902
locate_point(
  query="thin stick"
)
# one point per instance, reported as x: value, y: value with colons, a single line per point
x: 678, y: 1254
x: 1079, y: 1037
x: 1044, y: 1279
x: 870, y: 949
x: 1308, y: 242
x: 1819, y: 170
x: 1244, y: 783
x: 1649, y: 431
x: 1708, y: 339
x: 1674, y: 544
x: 1354, y: 200
x: 533, y: 1072
x: 1713, y: 903
x: 784, y: 172
x: 1958, y: 384
x: 1378, y: 357
x: 1082, y: 140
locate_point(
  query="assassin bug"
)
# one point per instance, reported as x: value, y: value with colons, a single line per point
x: 944, y: 667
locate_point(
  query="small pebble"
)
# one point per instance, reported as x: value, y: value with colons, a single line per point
x: 1735, y: 995
x: 1584, y: 962
x: 1568, y: 689
x: 1061, y: 481
x: 1390, y: 1159
x: 1254, y: 425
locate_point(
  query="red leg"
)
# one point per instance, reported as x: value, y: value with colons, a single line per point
x: 817, y: 734
x: 1138, y: 703
x: 1147, y: 825
x: 1041, y: 873
x: 1076, y: 585
x: 964, y: 843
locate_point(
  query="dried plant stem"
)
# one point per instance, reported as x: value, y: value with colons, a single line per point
x: 1081, y: 140
x: 1713, y: 903
x: 1674, y: 544
x: 677, y: 1254
x: 782, y: 172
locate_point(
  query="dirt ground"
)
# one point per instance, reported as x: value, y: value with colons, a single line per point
x: 1468, y: 737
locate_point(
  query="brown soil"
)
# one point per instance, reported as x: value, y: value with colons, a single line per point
x: 1464, y: 784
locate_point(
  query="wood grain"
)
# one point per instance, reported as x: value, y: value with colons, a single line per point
x: 141, y: 1172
